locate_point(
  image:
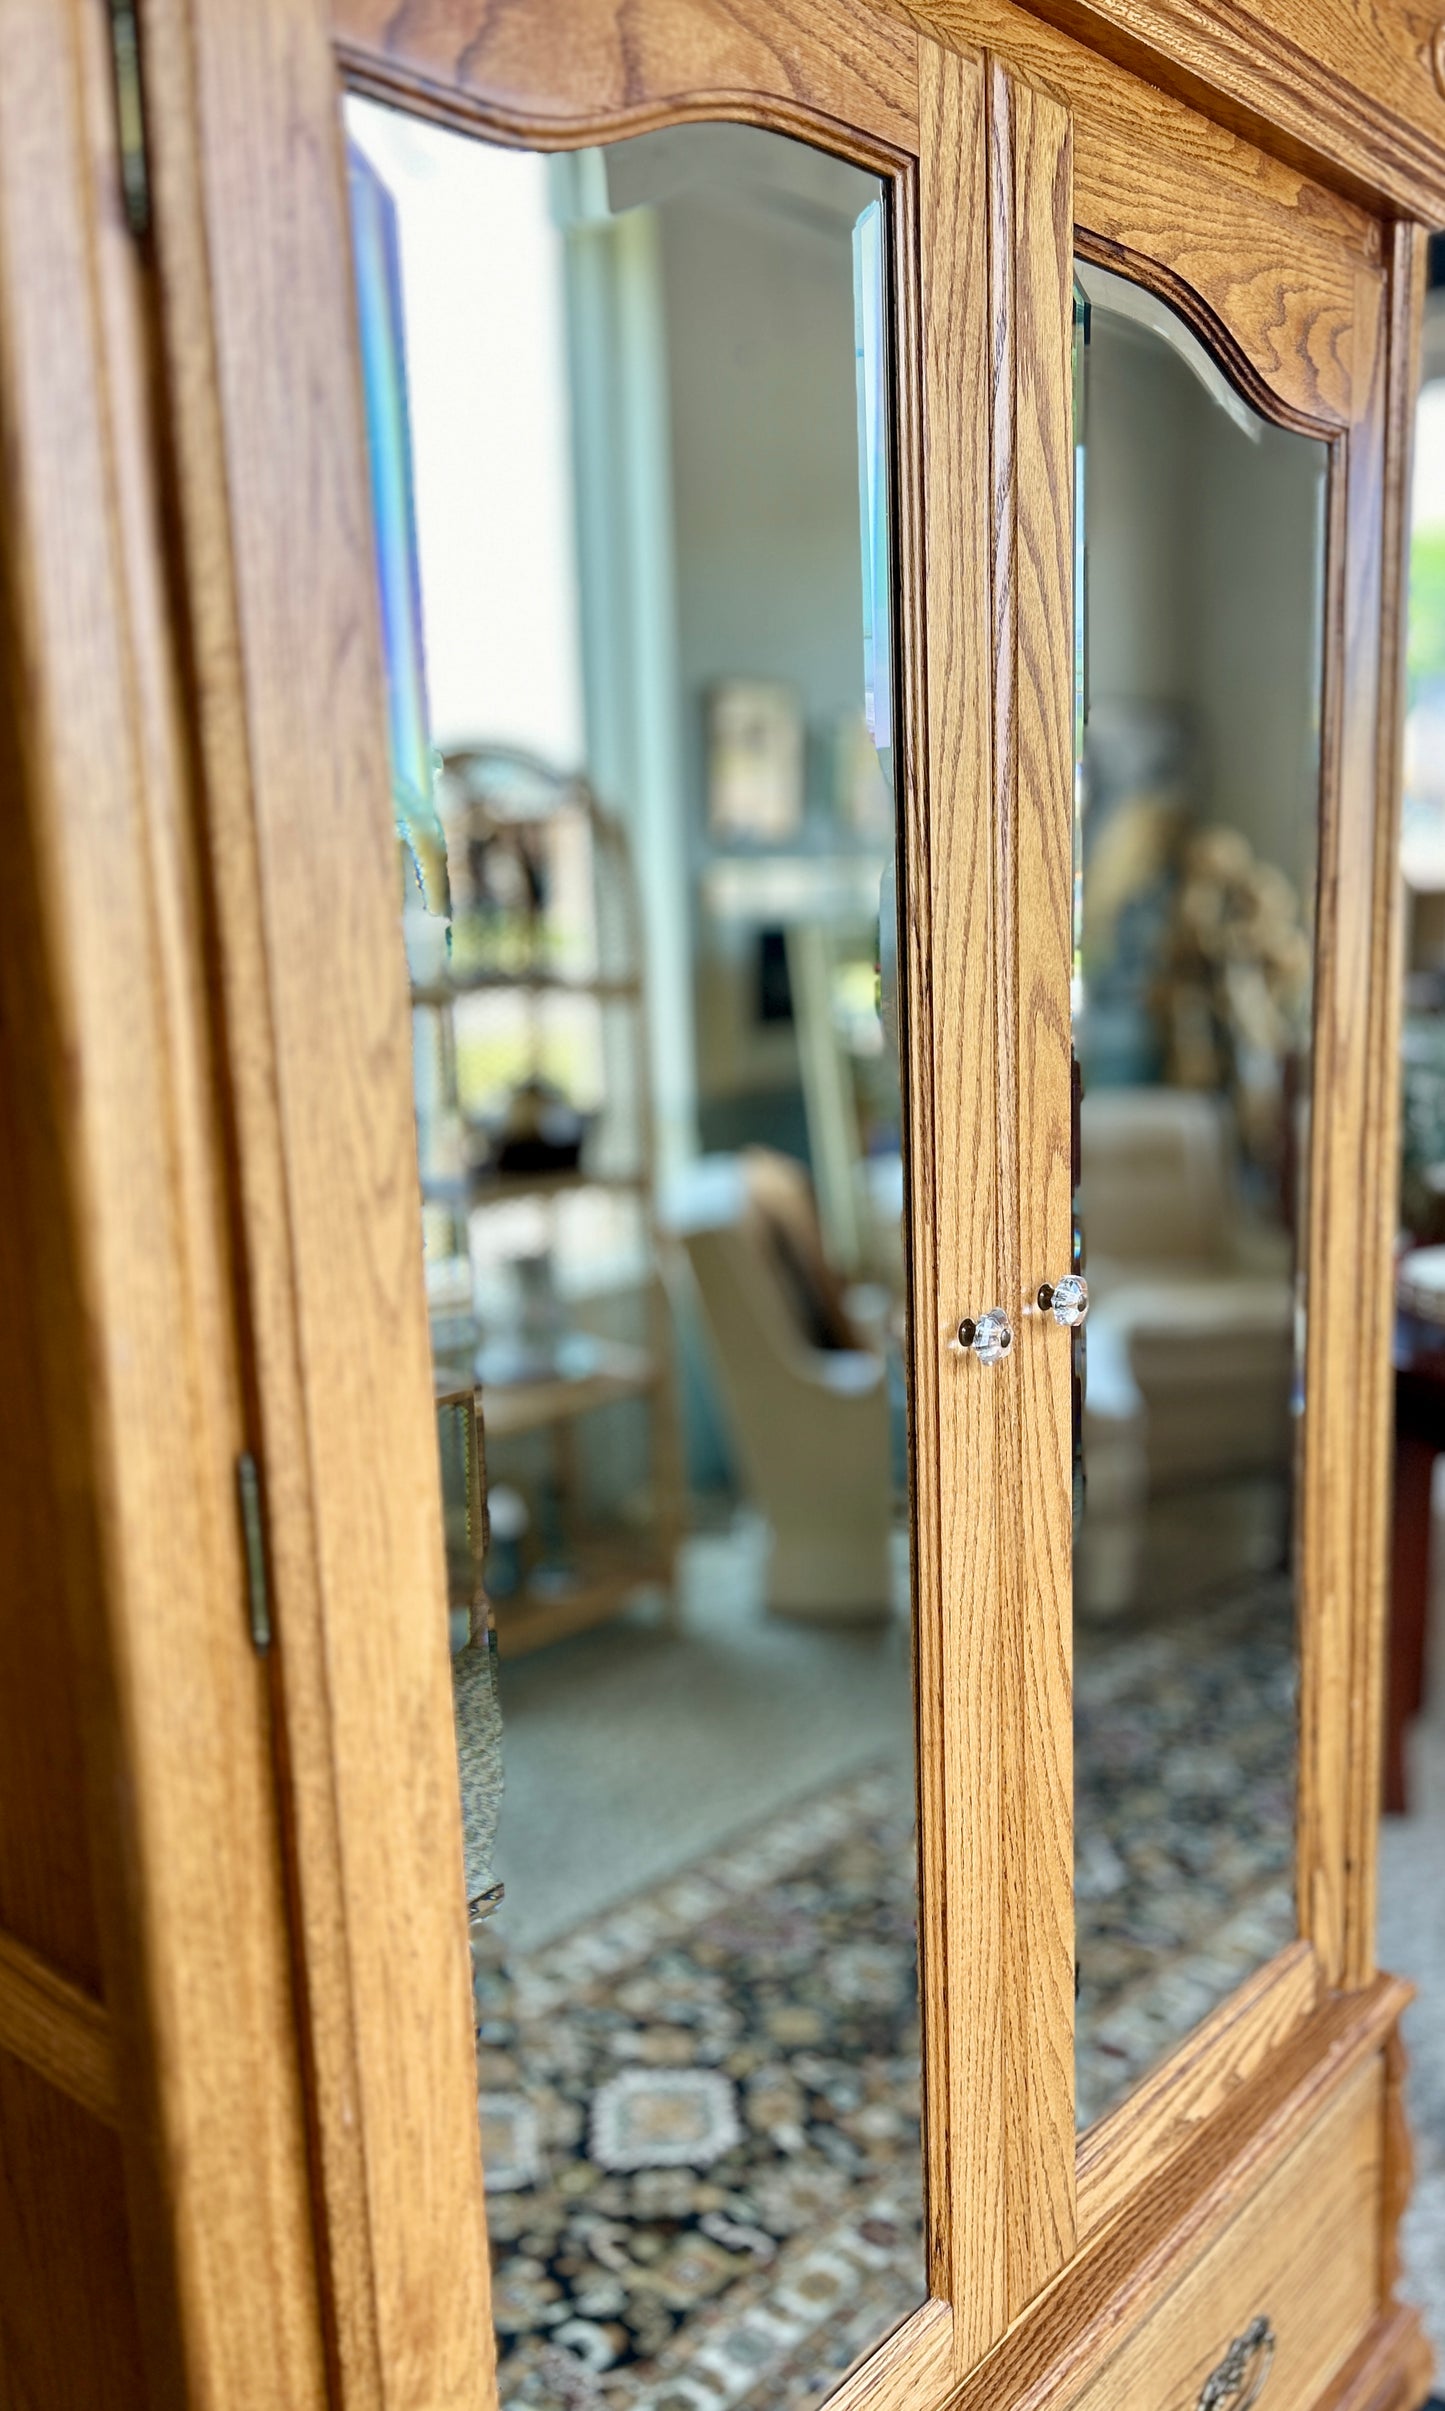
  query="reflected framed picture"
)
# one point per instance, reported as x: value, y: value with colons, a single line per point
x: 755, y: 759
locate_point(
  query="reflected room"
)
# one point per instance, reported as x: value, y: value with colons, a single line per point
x: 629, y: 416
x: 1200, y: 603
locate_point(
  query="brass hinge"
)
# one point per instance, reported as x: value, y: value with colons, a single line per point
x: 253, y: 1540
x: 135, y: 187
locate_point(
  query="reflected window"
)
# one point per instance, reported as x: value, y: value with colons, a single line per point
x: 628, y: 413
x: 1196, y: 846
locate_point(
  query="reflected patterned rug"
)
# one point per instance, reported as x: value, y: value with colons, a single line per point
x: 700, y: 2110
x: 700, y: 2124
x: 1185, y: 1734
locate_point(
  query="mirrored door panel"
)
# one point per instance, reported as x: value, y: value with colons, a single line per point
x: 1196, y: 831
x: 628, y: 414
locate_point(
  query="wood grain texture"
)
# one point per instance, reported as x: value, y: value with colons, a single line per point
x: 914, y: 2366
x: 1343, y: 1474
x: 1031, y: 432
x: 56, y: 2029
x: 261, y: 381
x: 1123, y: 2151
x: 133, y: 1385
x: 1300, y: 2252
x: 1262, y: 261
x: 69, y: 2336
x: 1378, y: 1199
x: 960, y: 1638
x: 1124, y: 2270
x: 264, y: 390
x: 613, y: 68
x: 1344, y: 87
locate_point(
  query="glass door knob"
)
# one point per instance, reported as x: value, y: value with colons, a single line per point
x: 1067, y: 1300
x: 990, y: 1338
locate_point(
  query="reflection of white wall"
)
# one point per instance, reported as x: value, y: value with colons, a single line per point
x: 1205, y: 585
x: 765, y: 453
x: 482, y: 281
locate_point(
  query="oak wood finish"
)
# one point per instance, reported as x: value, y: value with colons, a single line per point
x: 1030, y: 223
x: 1262, y: 259
x: 1314, y: 2278
x: 301, y: 863
x: 804, y: 68
x: 1344, y: 1454
x: 1390, y: 2371
x: 958, y: 1659
x: 197, y: 2219
x: 69, y: 2331
x: 56, y: 2029
x: 1345, y: 86
x: 1125, y: 2269
x: 1129, y: 2146
x: 981, y: 136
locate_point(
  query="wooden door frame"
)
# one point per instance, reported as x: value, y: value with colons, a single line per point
x: 997, y: 136
x: 147, y: 1983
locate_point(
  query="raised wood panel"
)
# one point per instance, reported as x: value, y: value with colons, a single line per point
x: 69, y: 2336
x: 1262, y: 259
x: 46, y: 1894
x: 1125, y: 2269
x: 619, y: 69
x: 1031, y: 278
x: 1302, y: 2252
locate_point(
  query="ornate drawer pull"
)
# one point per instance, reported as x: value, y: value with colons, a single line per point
x: 1239, y: 2379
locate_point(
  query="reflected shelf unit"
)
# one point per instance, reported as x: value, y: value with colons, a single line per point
x: 536, y: 1008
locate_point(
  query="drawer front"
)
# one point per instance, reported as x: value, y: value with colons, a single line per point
x: 1303, y: 2253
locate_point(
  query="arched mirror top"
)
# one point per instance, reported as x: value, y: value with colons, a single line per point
x: 1303, y: 362
x: 504, y: 72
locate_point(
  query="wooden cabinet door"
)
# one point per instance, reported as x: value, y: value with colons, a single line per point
x: 1004, y: 151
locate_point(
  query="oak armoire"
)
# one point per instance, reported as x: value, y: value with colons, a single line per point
x: 1135, y: 291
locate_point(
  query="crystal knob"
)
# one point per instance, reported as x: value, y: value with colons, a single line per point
x: 1067, y: 1300
x: 990, y: 1338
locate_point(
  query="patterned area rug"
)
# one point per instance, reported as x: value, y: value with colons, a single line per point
x: 700, y: 2125
x: 1185, y: 1738
x: 701, y: 2109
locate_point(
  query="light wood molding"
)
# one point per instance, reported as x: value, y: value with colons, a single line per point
x: 135, y: 1388
x: 274, y: 522
x: 1299, y: 2251
x: 914, y: 2366
x: 1343, y: 1470
x: 1263, y: 261
x: 1345, y: 87
x: 957, y: 1623
x: 1126, y: 2149
x: 613, y: 72
x: 56, y: 2029
x: 984, y: 139
x: 1031, y: 278
x: 1125, y: 2268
